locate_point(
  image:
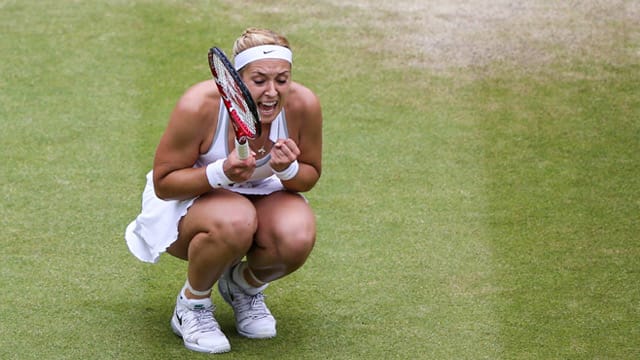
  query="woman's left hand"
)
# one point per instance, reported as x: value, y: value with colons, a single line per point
x: 283, y: 153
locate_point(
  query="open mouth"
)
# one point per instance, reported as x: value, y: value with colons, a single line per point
x: 267, y: 108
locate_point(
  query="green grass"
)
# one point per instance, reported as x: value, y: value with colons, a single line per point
x: 564, y: 205
x: 489, y: 213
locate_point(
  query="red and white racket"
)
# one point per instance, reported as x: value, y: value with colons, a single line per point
x: 237, y: 99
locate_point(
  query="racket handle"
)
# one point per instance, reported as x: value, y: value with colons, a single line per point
x: 242, y: 149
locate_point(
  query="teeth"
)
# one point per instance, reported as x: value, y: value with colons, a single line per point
x: 269, y: 104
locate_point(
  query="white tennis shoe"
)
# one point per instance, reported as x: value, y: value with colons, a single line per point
x: 193, y: 321
x: 253, y: 318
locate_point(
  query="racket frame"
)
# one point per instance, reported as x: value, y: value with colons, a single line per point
x: 234, y: 105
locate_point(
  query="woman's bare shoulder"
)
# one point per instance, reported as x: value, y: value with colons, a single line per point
x: 199, y: 99
x: 302, y: 100
x: 194, y: 116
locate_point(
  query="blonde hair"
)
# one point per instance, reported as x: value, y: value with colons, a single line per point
x: 255, y: 37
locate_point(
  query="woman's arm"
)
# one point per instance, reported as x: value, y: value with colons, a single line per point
x: 307, y: 115
x: 174, y: 177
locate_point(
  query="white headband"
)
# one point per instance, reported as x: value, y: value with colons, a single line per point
x: 262, y: 52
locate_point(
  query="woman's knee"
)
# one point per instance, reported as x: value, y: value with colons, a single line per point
x: 232, y: 231
x: 235, y: 230
x: 295, y: 244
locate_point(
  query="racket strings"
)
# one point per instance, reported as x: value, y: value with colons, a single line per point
x: 234, y: 96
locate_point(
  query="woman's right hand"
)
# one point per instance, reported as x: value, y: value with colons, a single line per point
x: 239, y: 170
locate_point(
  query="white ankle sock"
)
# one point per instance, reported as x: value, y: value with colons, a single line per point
x: 237, y: 275
x: 187, y: 285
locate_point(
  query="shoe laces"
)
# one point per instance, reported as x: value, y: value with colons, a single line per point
x: 253, y: 306
x: 202, y: 320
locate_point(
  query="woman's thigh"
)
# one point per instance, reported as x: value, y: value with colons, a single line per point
x: 284, y: 217
x: 220, y: 212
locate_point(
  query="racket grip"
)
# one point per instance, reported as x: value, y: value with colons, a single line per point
x: 242, y: 149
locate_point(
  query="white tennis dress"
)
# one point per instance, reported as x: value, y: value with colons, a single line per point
x: 156, y: 227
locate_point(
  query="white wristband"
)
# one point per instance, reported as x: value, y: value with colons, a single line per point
x: 288, y: 173
x: 216, y: 175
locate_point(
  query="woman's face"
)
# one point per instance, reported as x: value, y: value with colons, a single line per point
x: 269, y: 82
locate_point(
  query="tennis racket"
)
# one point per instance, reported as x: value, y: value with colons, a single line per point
x: 237, y: 99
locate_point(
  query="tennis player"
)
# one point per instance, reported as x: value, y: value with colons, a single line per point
x: 242, y: 223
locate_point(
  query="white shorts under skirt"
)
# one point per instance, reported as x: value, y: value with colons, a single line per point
x: 156, y: 227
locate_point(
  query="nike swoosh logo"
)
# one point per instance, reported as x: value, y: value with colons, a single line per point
x: 268, y: 52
